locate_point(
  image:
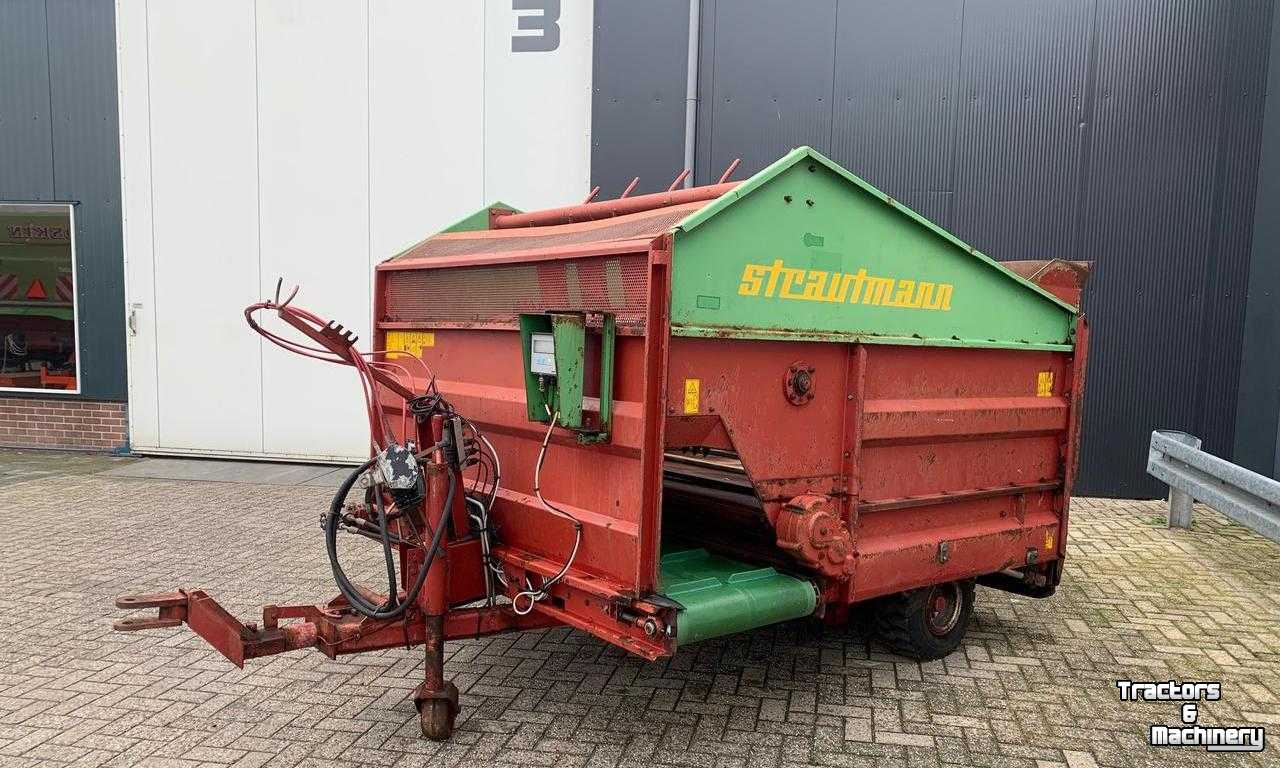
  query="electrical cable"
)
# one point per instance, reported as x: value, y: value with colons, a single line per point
x: 378, y: 426
x: 497, y: 463
x: 387, y: 555
x: 492, y: 568
x: 479, y: 518
x: 345, y: 586
x: 533, y: 595
x: 368, y: 371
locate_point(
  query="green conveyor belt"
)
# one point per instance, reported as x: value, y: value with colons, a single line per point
x: 722, y: 596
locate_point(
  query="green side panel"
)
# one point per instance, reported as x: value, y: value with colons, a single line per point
x: 570, y: 331
x: 478, y: 220
x: 804, y: 249
x: 608, y: 340
x: 565, y: 392
x: 538, y: 396
x: 721, y: 596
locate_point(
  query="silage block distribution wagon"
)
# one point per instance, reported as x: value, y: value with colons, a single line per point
x: 671, y: 417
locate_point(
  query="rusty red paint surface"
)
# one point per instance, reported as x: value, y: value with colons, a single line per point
x: 913, y: 446
x: 900, y: 466
x: 920, y: 446
x: 605, y: 209
x: 1064, y: 279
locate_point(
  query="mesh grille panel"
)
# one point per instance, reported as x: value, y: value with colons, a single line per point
x: 636, y: 226
x: 500, y: 293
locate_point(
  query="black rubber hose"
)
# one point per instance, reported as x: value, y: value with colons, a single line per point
x: 387, y: 556
x: 344, y: 584
x: 348, y: 589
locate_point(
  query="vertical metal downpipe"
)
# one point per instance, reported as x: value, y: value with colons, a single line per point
x: 691, y: 89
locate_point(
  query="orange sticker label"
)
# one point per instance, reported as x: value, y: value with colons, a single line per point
x: 1044, y: 384
x: 692, y: 391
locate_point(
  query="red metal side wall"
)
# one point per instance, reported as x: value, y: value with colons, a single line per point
x: 476, y: 355
x: 917, y: 446
x: 958, y: 446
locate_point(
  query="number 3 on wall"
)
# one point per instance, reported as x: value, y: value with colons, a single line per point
x: 543, y: 23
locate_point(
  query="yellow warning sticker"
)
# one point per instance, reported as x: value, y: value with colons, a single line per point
x: 1048, y: 541
x: 412, y: 342
x: 1044, y: 384
x: 692, y: 388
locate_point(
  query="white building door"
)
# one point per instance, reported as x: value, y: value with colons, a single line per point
x: 310, y: 140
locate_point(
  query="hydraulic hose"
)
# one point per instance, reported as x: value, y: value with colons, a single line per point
x: 387, y: 556
x: 345, y: 585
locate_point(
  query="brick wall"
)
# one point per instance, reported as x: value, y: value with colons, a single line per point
x: 27, y: 422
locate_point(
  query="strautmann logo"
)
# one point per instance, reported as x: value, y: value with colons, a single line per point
x: 778, y: 281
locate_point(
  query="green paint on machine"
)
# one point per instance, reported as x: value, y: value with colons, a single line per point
x: 805, y: 249
x: 559, y: 388
x: 478, y: 220
x: 720, y: 596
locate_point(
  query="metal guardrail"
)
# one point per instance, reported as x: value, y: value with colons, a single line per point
x: 1251, y: 499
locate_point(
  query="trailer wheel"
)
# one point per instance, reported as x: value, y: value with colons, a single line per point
x: 926, y: 623
x: 436, y: 718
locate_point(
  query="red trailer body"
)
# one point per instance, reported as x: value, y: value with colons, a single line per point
x: 806, y: 377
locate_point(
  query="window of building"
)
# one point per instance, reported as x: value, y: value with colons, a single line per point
x: 37, y: 298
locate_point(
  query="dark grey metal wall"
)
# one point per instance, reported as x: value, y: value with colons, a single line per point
x: 1258, y: 406
x: 59, y: 141
x: 1122, y: 132
x: 637, y: 112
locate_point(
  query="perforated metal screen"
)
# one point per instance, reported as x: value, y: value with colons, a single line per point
x: 638, y: 226
x: 498, y: 294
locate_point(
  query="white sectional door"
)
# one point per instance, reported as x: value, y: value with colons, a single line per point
x: 310, y: 140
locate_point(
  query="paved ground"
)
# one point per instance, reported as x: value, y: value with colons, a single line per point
x: 17, y: 465
x: 1033, y: 687
x: 214, y: 471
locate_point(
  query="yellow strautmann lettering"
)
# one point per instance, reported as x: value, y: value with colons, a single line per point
x: 780, y: 281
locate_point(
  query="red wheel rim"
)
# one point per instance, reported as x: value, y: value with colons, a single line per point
x: 942, y: 608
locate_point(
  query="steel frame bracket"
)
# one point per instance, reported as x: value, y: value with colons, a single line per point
x: 329, y: 627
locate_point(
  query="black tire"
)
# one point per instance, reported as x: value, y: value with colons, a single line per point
x: 926, y: 623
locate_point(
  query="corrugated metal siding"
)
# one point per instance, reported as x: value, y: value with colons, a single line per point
x: 58, y: 85
x: 1258, y: 405
x: 639, y: 94
x: 1118, y: 131
x: 26, y: 142
x: 1244, y: 86
x: 895, y: 103
x: 767, y: 78
x: 86, y: 158
x: 1018, y: 137
x: 1169, y: 121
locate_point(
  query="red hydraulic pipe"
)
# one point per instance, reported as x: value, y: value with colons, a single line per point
x: 729, y: 171
x: 606, y: 209
x: 436, y: 698
x: 432, y: 599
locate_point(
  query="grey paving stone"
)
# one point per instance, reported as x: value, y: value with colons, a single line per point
x: 218, y: 471
x: 1033, y: 686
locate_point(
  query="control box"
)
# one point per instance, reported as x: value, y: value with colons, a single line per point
x: 542, y: 354
x: 555, y: 347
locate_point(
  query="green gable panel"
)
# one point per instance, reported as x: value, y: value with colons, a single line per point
x: 478, y: 220
x: 805, y: 249
x: 473, y: 222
